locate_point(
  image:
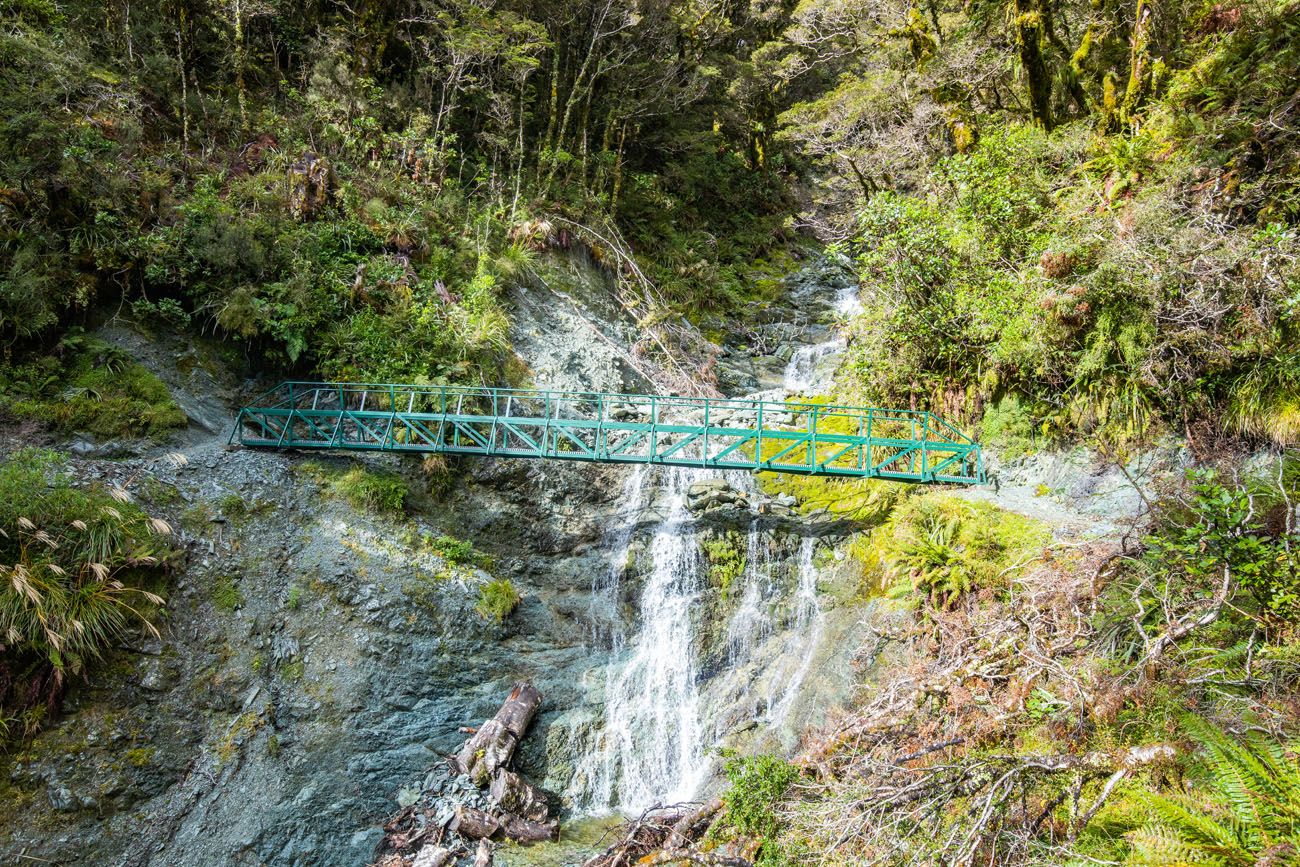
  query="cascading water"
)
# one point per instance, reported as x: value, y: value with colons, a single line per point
x: 808, y: 626
x: 607, y: 626
x: 750, y: 623
x: 650, y: 749
x: 806, y: 372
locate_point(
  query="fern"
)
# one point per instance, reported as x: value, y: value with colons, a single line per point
x: 1249, y: 815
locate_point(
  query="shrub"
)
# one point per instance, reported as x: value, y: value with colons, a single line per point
x: 457, y: 552
x: 757, y: 784
x: 497, y: 599
x: 71, y: 565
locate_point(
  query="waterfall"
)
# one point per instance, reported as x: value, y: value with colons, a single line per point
x: 750, y: 623
x: 606, y: 625
x: 808, y: 626
x: 651, y: 750
x: 801, y: 375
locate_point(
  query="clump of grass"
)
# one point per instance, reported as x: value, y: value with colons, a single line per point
x: 89, y: 385
x: 239, y: 510
x: 225, y: 594
x: 497, y: 599
x: 1265, y: 401
x: 365, y: 488
x: 74, y: 563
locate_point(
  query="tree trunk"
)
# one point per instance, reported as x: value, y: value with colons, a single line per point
x: 516, y: 795
x: 1029, y: 40
x: 491, y: 747
x: 524, y: 831
x: 1141, y: 66
x: 474, y: 824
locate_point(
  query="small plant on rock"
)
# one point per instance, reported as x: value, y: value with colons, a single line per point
x: 497, y: 599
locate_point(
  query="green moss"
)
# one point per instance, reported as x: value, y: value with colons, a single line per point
x: 866, y: 500
x: 726, y: 561
x: 139, y: 757
x: 293, y: 671
x: 91, y: 386
x: 497, y: 599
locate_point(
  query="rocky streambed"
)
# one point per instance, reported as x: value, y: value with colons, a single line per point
x: 319, y: 660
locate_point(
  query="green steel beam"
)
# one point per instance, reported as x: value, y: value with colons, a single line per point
x: 724, y: 433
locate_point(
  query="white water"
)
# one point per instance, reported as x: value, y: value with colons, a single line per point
x: 750, y: 623
x: 809, y: 623
x: 650, y: 750
x: 809, y: 372
x: 607, y: 626
x: 651, y: 746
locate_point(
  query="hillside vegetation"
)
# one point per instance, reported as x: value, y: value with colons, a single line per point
x: 1075, y: 222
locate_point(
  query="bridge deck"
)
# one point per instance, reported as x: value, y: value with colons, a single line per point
x: 724, y: 433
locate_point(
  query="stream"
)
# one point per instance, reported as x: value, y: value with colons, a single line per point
x: 656, y: 741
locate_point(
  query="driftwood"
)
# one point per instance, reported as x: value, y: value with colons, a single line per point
x: 689, y: 827
x: 514, y: 794
x: 524, y: 831
x: 474, y: 824
x: 491, y: 747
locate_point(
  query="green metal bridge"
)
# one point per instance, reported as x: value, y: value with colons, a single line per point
x: 715, y: 433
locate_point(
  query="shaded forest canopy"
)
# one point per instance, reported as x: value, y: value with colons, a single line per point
x: 1078, y: 214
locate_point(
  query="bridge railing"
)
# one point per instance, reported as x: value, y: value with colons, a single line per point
x: 789, y: 436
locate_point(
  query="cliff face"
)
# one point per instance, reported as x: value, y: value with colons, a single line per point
x: 318, y: 656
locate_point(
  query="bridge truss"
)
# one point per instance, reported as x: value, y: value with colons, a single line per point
x: 721, y: 433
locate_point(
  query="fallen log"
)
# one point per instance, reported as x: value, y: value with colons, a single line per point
x: 492, y: 746
x: 523, y: 831
x: 688, y: 828
x: 474, y: 824
x: 514, y: 794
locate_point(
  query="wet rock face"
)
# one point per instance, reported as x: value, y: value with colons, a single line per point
x: 317, y: 661
x: 312, y: 666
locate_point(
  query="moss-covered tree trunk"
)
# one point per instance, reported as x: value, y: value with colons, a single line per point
x: 1028, y: 25
x: 1142, y: 68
